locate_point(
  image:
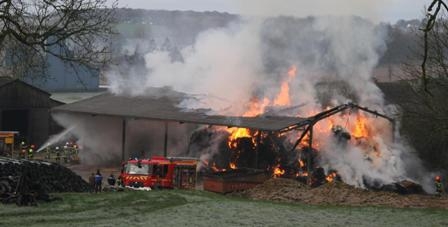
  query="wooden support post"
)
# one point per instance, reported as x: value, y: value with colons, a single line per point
x: 165, y: 141
x: 309, y: 154
x: 123, y: 140
x: 257, y: 150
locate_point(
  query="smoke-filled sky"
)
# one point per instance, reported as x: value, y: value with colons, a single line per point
x: 376, y: 10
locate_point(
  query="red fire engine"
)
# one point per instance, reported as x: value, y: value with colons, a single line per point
x: 159, y: 172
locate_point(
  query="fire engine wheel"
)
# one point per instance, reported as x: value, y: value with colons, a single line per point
x: 5, y: 187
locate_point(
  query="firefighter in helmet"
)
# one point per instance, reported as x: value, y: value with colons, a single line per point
x: 58, y: 155
x: 439, y: 186
x: 31, y: 152
x: 23, y: 147
x: 47, y: 153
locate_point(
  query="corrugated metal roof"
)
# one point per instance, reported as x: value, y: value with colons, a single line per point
x: 164, y: 108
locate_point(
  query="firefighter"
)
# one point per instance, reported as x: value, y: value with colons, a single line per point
x: 439, y: 186
x: 98, y: 181
x: 66, y: 153
x: 119, y: 181
x: 58, y: 155
x: 111, y: 180
x: 22, y: 153
x: 47, y: 153
x: 31, y: 152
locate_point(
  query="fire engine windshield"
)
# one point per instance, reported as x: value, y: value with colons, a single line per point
x: 137, y: 169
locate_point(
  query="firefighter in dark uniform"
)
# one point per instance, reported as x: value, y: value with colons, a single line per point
x: 31, y: 152
x: 23, y: 148
x: 47, y: 153
x: 439, y: 185
x: 58, y: 155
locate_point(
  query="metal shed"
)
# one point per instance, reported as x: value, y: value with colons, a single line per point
x: 26, y: 109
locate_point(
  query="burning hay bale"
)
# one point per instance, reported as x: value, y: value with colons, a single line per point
x: 24, y: 181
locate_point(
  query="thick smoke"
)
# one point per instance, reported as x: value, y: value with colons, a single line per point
x: 219, y: 60
x: 100, y: 138
x: 226, y: 68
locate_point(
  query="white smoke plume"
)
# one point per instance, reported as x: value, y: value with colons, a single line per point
x: 100, y: 138
x: 228, y: 67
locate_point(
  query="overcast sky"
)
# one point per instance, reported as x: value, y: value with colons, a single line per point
x: 377, y: 10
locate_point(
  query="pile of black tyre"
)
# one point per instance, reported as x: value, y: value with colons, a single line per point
x: 38, y: 175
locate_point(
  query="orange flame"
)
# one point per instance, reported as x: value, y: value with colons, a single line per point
x: 330, y: 177
x: 302, y: 174
x: 278, y: 172
x: 283, y: 98
x: 255, y: 107
x: 236, y: 133
x: 232, y: 165
x: 360, y: 130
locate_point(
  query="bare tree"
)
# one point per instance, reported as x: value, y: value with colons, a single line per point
x: 432, y: 19
x: 76, y: 31
x: 424, y: 101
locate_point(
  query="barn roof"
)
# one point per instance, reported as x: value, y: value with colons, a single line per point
x: 163, y: 107
x: 5, y: 80
x: 16, y: 93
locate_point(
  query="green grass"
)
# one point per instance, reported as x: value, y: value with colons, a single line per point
x: 198, y: 208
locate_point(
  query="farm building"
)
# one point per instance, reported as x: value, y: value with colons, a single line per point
x: 26, y: 109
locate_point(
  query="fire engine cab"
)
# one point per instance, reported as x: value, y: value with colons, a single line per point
x: 159, y: 172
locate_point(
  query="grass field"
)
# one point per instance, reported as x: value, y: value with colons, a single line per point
x: 198, y: 208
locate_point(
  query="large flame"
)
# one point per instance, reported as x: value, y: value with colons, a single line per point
x: 283, y: 98
x: 257, y: 107
x: 355, y: 125
x: 360, y: 130
x: 236, y: 133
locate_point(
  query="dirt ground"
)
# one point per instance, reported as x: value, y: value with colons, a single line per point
x: 338, y: 193
x: 84, y: 171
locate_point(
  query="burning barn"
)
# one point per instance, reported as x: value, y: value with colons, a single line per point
x: 245, y: 150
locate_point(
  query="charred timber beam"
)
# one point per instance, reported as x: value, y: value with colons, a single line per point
x: 301, y: 137
x: 343, y: 107
x: 328, y: 113
x: 295, y: 126
x: 392, y: 121
x: 372, y: 112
